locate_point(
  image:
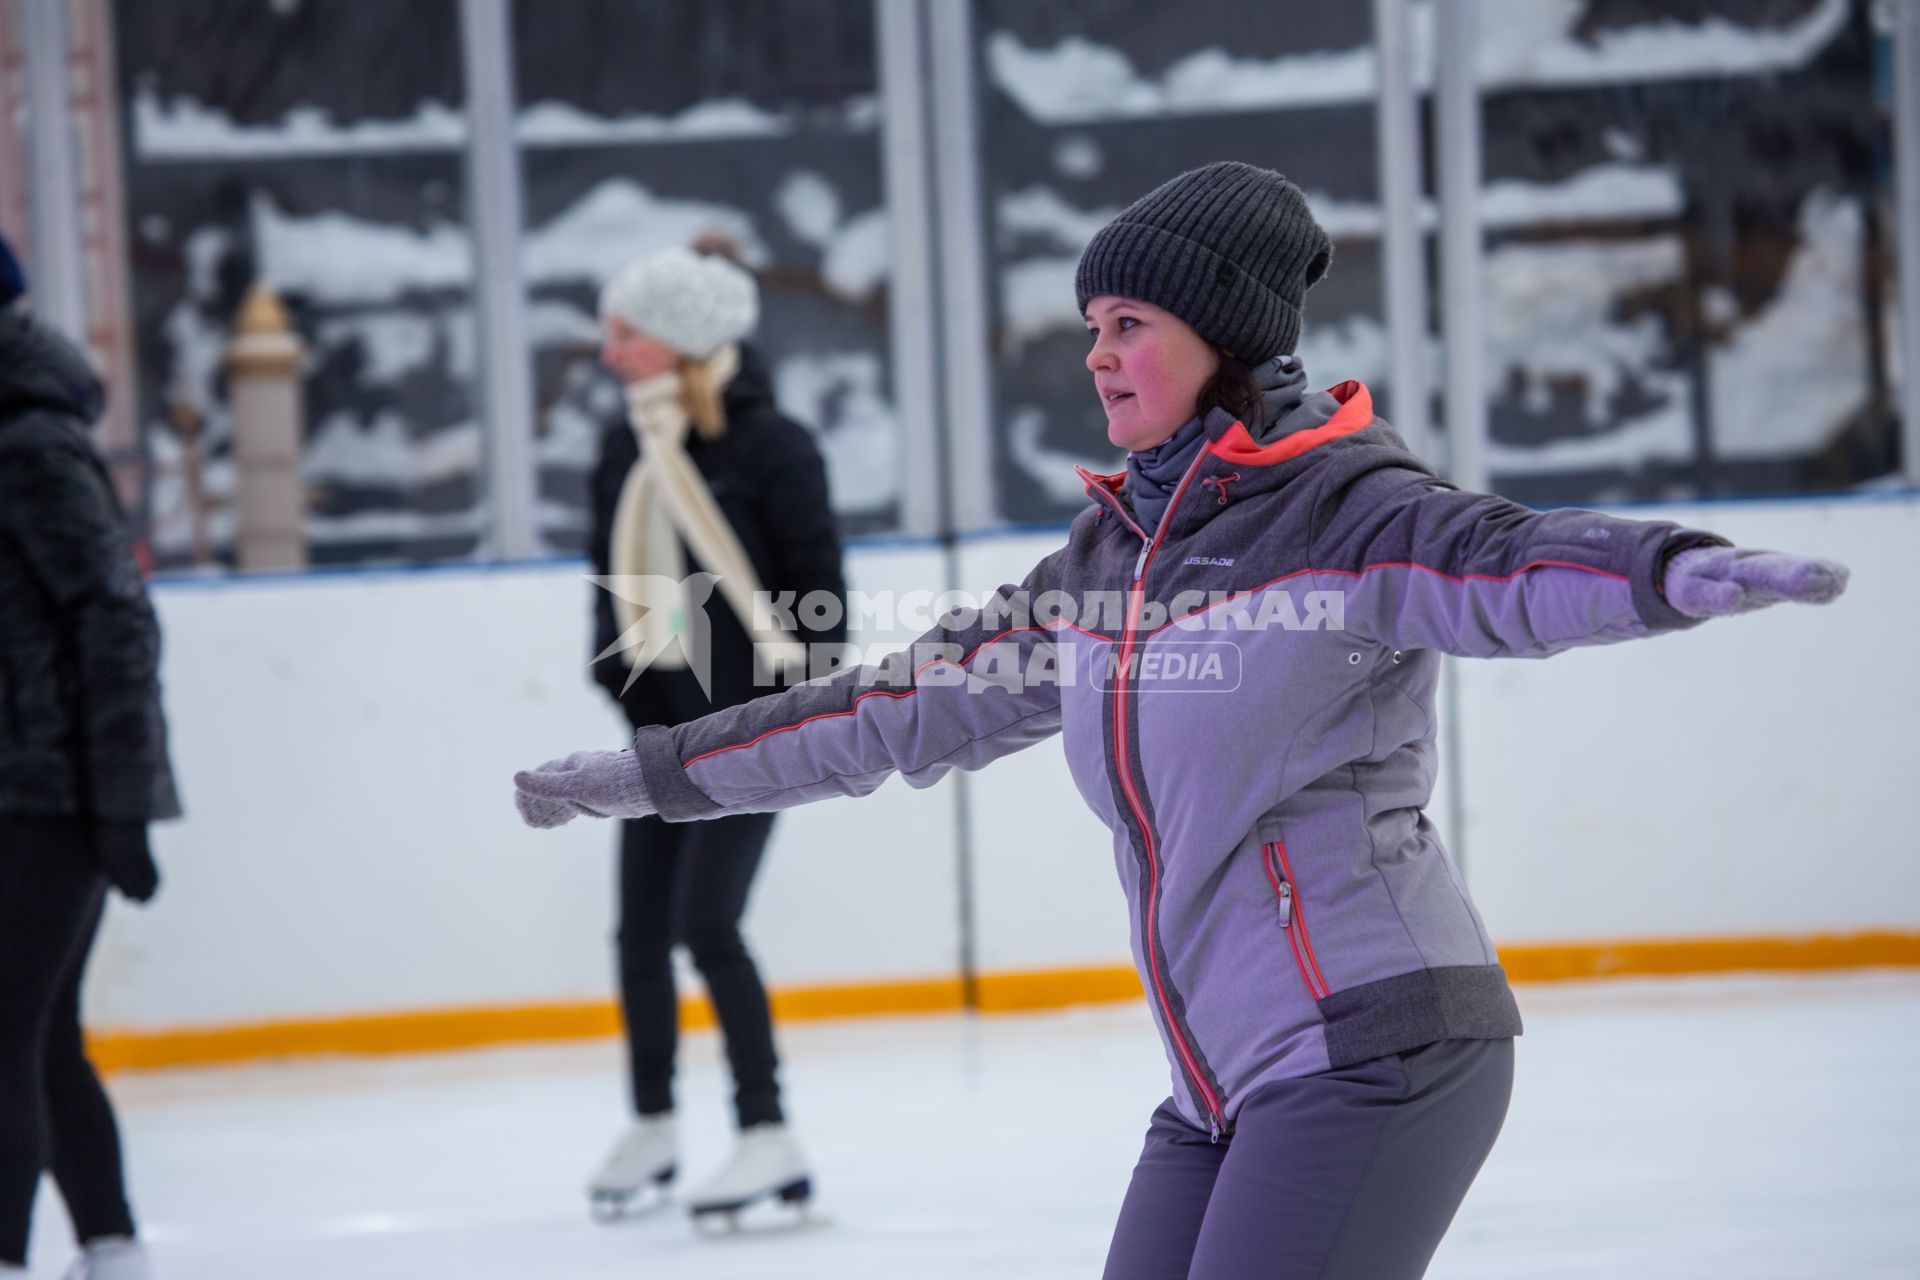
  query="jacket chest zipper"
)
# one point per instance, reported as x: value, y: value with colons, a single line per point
x: 1292, y: 920
x: 1106, y: 495
x: 1135, y: 596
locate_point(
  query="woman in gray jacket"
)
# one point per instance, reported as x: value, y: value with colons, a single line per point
x: 1283, y: 575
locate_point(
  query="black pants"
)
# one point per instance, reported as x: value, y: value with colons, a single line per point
x: 686, y: 883
x: 53, y: 1113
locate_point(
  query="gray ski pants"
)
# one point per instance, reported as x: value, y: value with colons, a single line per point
x: 1352, y: 1174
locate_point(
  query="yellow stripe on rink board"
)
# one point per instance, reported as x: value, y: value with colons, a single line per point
x: 1056, y: 988
x: 438, y: 1030
x: 1555, y: 962
x: 880, y: 999
x: 416, y: 1031
x: 1524, y: 962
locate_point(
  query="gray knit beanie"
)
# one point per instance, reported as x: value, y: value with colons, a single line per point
x: 1229, y: 248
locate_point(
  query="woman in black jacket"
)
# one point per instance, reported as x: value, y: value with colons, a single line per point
x: 671, y: 644
x: 83, y: 769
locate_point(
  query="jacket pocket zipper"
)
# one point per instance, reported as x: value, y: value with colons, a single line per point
x: 1293, y: 920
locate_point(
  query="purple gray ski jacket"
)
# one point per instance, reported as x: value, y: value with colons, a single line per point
x: 1246, y: 699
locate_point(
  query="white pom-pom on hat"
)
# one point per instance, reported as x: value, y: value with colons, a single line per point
x: 694, y: 303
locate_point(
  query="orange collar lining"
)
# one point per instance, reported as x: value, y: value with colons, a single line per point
x: 1356, y: 411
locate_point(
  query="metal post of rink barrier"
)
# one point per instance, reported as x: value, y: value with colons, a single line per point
x: 1462, y: 252
x: 1397, y: 115
x: 263, y: 377
x: 1906, y: 173
x: 59, y: 292
x: 1463, y: 328
x: 496, y: 212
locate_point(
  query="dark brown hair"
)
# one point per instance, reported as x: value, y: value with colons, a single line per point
x: 1234, y: 389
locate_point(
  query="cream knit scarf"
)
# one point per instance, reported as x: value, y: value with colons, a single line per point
x: 664, y: 501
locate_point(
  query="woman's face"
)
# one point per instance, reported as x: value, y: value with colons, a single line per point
x: 1149, y: 368
x: 631, y: 354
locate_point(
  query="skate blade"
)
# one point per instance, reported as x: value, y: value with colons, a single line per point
x: 784, y: 1209
x: 617, y: 1206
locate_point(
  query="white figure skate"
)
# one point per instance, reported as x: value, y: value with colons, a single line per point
x: 645, y: 1158
x: 111, y: 1258
x: 766, y: 1165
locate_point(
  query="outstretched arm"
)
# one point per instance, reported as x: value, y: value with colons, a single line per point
x: 978, y: 686
x: 1425, y: 565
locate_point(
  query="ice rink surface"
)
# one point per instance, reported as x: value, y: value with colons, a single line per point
x: 1732, y: 1127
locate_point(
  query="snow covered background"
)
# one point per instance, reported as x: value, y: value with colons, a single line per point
x: 266, y: 140
x: 1686, y: 209
x: 1688, y: 279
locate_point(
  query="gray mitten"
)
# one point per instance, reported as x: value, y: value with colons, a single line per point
x: 1710, y: 582
x: 598, y: 784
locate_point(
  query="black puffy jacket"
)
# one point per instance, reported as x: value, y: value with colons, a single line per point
x: 767, y: 477
x: 81, y: 731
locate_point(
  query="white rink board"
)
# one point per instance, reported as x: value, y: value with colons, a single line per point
x: 346, y: 742
x: 1746, y: 777
x: 346, y: 746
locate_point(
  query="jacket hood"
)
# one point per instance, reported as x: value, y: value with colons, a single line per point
x: 41, y: 369
x: 1286, y: 403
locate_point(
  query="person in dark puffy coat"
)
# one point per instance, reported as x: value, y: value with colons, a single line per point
x: 1282, y: 575
x: 83, y: 770
x: 702, y: 481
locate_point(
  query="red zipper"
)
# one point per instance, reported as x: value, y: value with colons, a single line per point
x: 1292, y: 918
x: 1121, y: 761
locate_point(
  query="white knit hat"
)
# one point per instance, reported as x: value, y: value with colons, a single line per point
x: 694, y: 303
